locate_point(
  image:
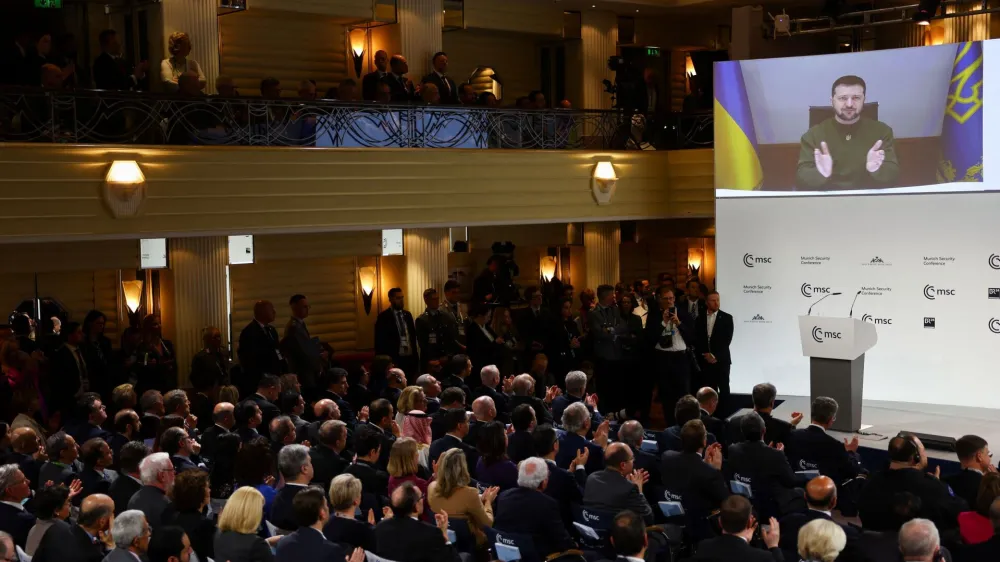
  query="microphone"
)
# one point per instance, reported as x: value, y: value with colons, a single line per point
x: 851, y: 315
x: 819, y: 301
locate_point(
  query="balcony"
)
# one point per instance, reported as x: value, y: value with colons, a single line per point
x: 104, y: 117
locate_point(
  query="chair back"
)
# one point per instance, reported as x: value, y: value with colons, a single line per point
x: 741, y: 489
x: 512, y: 547
x: 650, y: 446
x: 593, y: 525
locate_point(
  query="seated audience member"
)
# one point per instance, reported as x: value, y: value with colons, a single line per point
x: 975, y: 457
x: 490, y: 383
x: 343, y: 528
x: 52, y: 503
x: 380, y: 419
x: 157, y: 479
x: 126, y: 428
x: 90, y: 416
x: 169, y: 544
x: 248, y: 418
x: 906, y: 473
x: 619, y: 485
x: 222, y: 477
x: 523, y: 388
x: 268, y: 390
x: 176, y: 443
x: 282, y: 432
x: 151, y: 404
x: 919, y: 541
x: 694, y: 481
x: 129, y: 476
x: 412, y: 398
x: 367, y: 448
x: 404, y: 538
x: 483, y: 412
x: 764, y: 395
x: 564, y: 486
x: 451, y: 399
x: 687, y: 409
x: 820, y: 541
x: 494, y: 468
x: 526, y: 509
x: 466, y: 94
x: 307, y: 91
x: 432, y: 391
x: 988, y: 550
x: 333, y: 385
x: 404, y: 465
x: 395, y: 381
x: 28, y: 452
x: 738, y: 528
x: 347, y: 90
x: 429, y: 94
x: 459, y: 370
x: 576, y: 421
x: 708, y: 402
x: 255, y: 469
x: 290, y: 382
x: 975, y: 526
x: 223, y: 422
x: 190, y: 496
x: 311, y: 513
x: 628, y: 537
x: 78, y: 544
x: 131, y: 534
x: 520, y: 444
x: 450, y: 493
x: 456, y: 428
x: 324, y: 410
x: 237, y: 539
x: 326, y: 454
x: 15, y: 489
x: 632, y: 434
x: 821, y: 500
x: 96, y: 475
x: 62, y: 466
x: 813, y: 449
x: 123, y: 397
x: 297, y: 471
x: 764, y: 469
x: 576, y: 391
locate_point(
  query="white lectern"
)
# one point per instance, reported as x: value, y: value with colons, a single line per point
x: 836, y: 350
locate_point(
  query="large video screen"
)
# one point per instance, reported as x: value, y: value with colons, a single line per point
x: 893, y: 121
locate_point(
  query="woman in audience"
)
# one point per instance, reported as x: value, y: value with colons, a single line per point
x: 565, y: 343
x: 229, y: 393
x: 97, y: 352
x: 821, y: 540
x: 237, y: 540
x: 404, y: 466
x: 189, y: 497
x: 52, y: 504
x: 222, y: 478
x: 511, y: 352
x: 975, y: 526
x: 410, y: 399
x: 343, y: 528
x: 450, y: 492
x: 255, y: 469
x: 482, y: 345
x: 494, y: 467
x: 156, y: 367
x: 179, y: 46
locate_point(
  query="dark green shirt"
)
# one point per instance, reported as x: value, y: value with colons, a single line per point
x: 849, y: 146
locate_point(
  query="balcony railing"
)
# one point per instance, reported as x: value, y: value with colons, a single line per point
x: 102, y: 117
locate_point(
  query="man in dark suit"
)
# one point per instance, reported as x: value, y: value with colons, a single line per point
x: 619, y: 485
x: 305, y: 357
x: 975, y: 457
x: 764, y: 469
x: 691, y: 299
x: 129, y: 478
x: 459, y: 370
x: 224, y: 422
x: 607, y: 328
x: 310, y: 512
x: 764, y: 395
x: 333, y: 385
x: 527, y: 510
x: 326, y: 453
x: 565, y: 486
x: 687, y: 409
x: 533, y: 323
x: 67, y: 360
x: 209, y: 370
x: 445, y: 85
x: 576, y: 391
x: 738, y: 528
x: 451, y: 399
x: 696, y: 482
x: 708, y: 403
x: 88, y: 417
x: 821, y: 500
x: 81, y: 542
x: 296, y: 469
x: 628, y: 537
x: 404, y: 538
x: 14, y: 489
x: 111, y: 70
x: 713, y: 334
x: 157, y: 478
x: 907, y: 462
x: 63, y: 465
x: 380, y: 419
x: 483, y: 412
x: 490, y: 378
x: 27, y: 453
x: 370, y: 81
x: 671, y: 336
x: 400, y: 87
x: 520, y: 444
x: 632, y: 434
x: 367, y: 443
x: 576, y: 422
x: 813, y: 449
x: 456, y: 425
x: 96, y: 477
x: 436, y: 331
x: 523, y: 392
x: 176, y: 443
x: 268, y: 390
x: 259, y: 350
x: 484, y: 286
x: 396, y: 335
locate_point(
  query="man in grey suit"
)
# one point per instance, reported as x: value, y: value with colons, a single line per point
x: 619, y: 486
x: 157, y: 473
x: 303, y: 353
x: 606, y: 330
x: 130, y: 532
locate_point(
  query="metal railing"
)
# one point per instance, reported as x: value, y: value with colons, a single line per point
x: 104, y: 117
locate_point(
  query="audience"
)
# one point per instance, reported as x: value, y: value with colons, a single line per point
x: 237, y: 539
x: 404, y: 538
x: 619, y: 486
x: 342, y: 527
x: 172, y: 68
x: 975, y: 526
x: 976, y: 460
x: 189, y: 498
x: 738, y: 528
x: 311, y: 514
x: 919, y: 541
x: 821, y: 541
x: 450, y: 493
x: 131, y: 534
x: 157, y: 474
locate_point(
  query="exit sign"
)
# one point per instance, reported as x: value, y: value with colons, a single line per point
x: 48, y: 3
x: 650, y: 51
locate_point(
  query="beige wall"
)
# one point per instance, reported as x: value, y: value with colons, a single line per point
x: 515, y: 57
x: 524, y: 16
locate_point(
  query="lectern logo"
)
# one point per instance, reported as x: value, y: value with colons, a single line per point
x: 995, y: 325
x: 808, y: 290
x: 994, y: 261
x: 931, y: 293
x: 820, y: 336
x: 930, y: 322
x: 751, y: 260
x: 872, y: 320
x: 994, y: 293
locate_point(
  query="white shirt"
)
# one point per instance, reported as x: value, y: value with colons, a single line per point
x: 677, y: 344
x: 828, y: 514
x: 170, y: 73
x: 710, y: 320
x: 489, y: 336
x: 819, y: 426
x: 15, y: 504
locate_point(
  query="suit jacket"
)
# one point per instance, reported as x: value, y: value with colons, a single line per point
x: 449, y: 442
x: 542, y: 413
x: 369, y: 85
x: 730, y: 547
x: 560, y: 403
x: 347, y: 414
x: 182, y: 464
x: 208, y: 369
x: 610, y: 491
x: 722, y: 336
x: 153, y: 503
x: 670, y: 439
x: 607, y: 328
x: 399, y: 91
x: 765, y: 469
x: 112, y: 73
x: 776, y: 431
x: 68, y: 543
x: 259, y: 354
x: 520, y: 445
x: 455, y: 381
x: 200, y: 531
x: 327, y: 465
x: 350, y: 533
x: 566, y: 488
x: 792, y: 523
x: 654, y: 329
x: 302, y: 352
x: 238, y: 547
x: 387, y: 336
x: 96, y: 482
x: 715, y: 426
x: 446, y: 87
x: 66, y: 375
x: 482, y: 350
x: 282, y: 515
x: 530, y: 512
x: 812, y: 448
x: 120, y: 555
x: 534, y: 327
x: 122, y: 490
x: 373, y: 480
x: 404, y: 539
x: 268, y: 411
x: 687, y: 478
x: 308, y: 544
x: 210, y: 440
x: 965, y: 484
x: 17, y: 522
x: 248, y: 434
x: 59, y: 473
x: 937, y: 503
x: 570, y: 443
x: 500, y: 400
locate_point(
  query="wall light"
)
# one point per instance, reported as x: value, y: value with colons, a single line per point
x: 358, y: 37
x: 367, y: 277
x: 689, y: 66
x: 132, y: 291
x: 124, y: 188
x: 604, y: 182
x: 695, y: 258
x: 547, y: 267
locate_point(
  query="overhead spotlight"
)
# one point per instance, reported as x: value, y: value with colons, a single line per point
x: 926, y: 10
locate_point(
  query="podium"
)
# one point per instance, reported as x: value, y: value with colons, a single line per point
x: 836, y: 350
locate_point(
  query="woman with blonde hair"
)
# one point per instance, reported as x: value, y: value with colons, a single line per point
x: 404, y: 466
x: 237, y: 539
x: 821, y: 540
x: 179, y: 47
x: 450, y: 492
x: 410, y: 399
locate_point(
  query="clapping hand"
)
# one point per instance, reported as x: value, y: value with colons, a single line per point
x: 395, y: 428
x: 371, y: 517
x: 591, y: 400
x: 508, y: 384
x: 796, y: 418
x: 363, y: 414
x: 75, y: 487
x: 780, y: 446
x: 551, y: 393
x: 823, y: 160
x: 638, y: 477
x: 441, y: 519
x: 601, y: 434
x: 713, y: 455
x: 771, y: 534
x: 582, y: 456
x: 852, y: 445
x: 489, y: 494
x: 875, y: 157
x: 357, y: 556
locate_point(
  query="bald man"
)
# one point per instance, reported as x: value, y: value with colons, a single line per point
x: 821, y: 499
x: 323, y: 410
x: 258, y: 351
x: 619, y: 486
x: 369, y: 84
x: 89, y: 540
x: 223, y: 422
x: 483, y: 411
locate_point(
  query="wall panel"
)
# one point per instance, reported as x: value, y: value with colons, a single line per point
x: 82, y: 291
x: 525, y: 16
x: 515, y: 57
x: 343, y: 10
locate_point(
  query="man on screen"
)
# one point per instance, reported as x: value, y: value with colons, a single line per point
x: 847, y: 151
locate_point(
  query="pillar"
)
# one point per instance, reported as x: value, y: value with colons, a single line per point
x: 746, y: 34
x: 601, y: 242
x: 426, y: 252
x: 420, y: 23
x: 197, y: 18
x: 198, y: 267
x: 599, y: 41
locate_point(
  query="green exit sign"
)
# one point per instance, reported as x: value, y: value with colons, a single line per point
x: 650, y: 51
x: 48, y: 3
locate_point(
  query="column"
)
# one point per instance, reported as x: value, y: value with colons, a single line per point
x: 426, y: 252
x: 199, y: 20
x: 420, y: 23
x: 601, y: 241
x: 599, y: 39
x: 198, y: 266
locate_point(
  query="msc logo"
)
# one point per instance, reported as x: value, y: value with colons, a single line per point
x: 931, y: 293
x: 808, y: 290
x: 820, y: 336
x: 994, y: 261
x: 930, y: 322
x: 995, y: 325
x: 872, y: 320
x: 750, y: 260
x: 994, y: 293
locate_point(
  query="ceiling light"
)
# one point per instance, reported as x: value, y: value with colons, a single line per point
x: 926, y: 10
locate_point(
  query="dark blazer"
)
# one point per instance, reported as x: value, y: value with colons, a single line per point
x: 715, y: 426
x: 96, y: 482
x: 200, y: 531
x: 153, y: 503
x: 29, y: 465
x: 965, y: 484
x: 210, y: 440
x: 775, y: 430
x: 448, y: 96
x: 500, y: 400
x: 282, y: 515
x: 237, y: 547
x: 542, y: 413
x: 455, y: 381
x: 766, y: 469
x: 350, y: 533
x: 534, y: 328
x: 66, y: 376
x: 937, y: 503
x: 68, y: 543
x: 696, y: 484
x: 606, y: 326
x: 58, y: 473
x: 404, y: 539
x: 520, y: 445
x: 259, y: 355
x: 387, y: 336
x: 347, y: 414
x: 302, y: 352
x: 400, y: 91
x: 566, y: 489
x: 437, y: 334
x: 327, y: 465
x: 560, y: 403
x: 308, y: 544
x: 530, y: 512
x: 480, y: 349
x: 812, y: 448
x: 113, y: 73
x: 181, y: 464
x: 792, y: 523
x: 670, y: 439
x: 373, y: 480
x: 728, y: 548
x: 722, y: 336
x: 369, y: 85
x: 570, y: 443
x: 610, y: 491
x: 449, y: 442
x: 17, y: 522
x: 268, y: 411
x: 207, y: 370
x: 122, y: 490
x: 248, y: 434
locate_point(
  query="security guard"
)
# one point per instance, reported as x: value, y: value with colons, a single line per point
x: 436, y: 331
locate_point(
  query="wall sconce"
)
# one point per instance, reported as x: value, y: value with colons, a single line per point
x: 124, y: 188
x: 547, y: 267
x: 689, y: 66
x: 604, y: 182
x: 357, y: 37
x: 695, y: 257
x: 367, y: 277
x: 132, y: 290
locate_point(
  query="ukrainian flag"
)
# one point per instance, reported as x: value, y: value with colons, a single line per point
x: 737, y: 165
x: 962, y: 131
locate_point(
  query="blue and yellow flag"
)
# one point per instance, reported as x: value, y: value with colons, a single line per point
x: 962, y: 132
x: 737, y: 165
